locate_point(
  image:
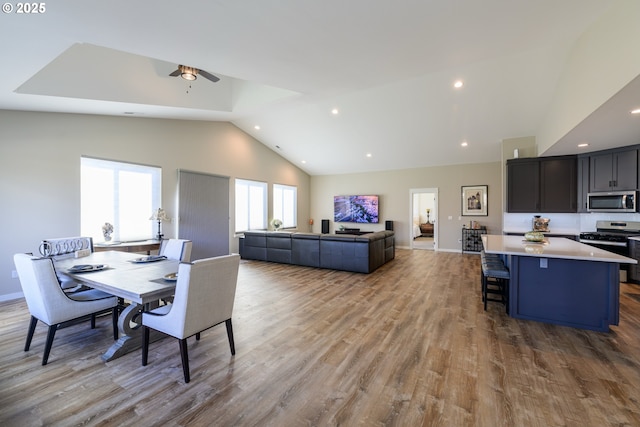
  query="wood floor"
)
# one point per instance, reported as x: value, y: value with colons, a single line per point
x: 407, y: 345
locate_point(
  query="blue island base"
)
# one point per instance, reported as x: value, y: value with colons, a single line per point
x: 576, y: 293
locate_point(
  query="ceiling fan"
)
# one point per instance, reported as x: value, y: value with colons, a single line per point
x: 190, y: 73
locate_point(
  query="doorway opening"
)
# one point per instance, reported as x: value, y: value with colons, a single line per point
x: 424, y: 218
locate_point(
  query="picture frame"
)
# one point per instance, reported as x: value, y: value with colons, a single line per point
x: 474, y: 200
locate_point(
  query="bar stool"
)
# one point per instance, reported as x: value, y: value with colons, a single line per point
x: 494, y: 280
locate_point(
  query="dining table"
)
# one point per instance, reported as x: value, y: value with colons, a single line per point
x: 140, y: 283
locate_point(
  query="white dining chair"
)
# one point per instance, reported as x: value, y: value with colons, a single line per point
x: 64, y: 247
x: 204, y: 296
x: 176, y: 249
x: 48, y: 303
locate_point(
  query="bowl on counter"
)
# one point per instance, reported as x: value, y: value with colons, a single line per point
x: 534, y: 236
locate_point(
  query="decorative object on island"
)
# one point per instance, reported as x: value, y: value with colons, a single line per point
x: 534, y: 236
x: 474, y: 200
x: 107, y: 229
x: 276, y: 224
x: 160, y: 216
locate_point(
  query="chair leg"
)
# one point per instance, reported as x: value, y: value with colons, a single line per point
x: 32, y: 328
x: 145, y: 345
x: 230, y: 336
x: 184, y: 354
x: 47, y: 346
x: 484, y: 291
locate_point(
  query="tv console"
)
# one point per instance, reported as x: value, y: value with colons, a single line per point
x: 354, y: 231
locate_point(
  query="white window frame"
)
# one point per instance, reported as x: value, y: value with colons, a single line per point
x: 251, y: 205
x: 104, y: 200
x: 285, y: 205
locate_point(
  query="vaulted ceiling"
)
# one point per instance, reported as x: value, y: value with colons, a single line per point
x: 334, y: 86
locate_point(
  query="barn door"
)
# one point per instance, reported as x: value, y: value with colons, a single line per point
x: 203, y: 209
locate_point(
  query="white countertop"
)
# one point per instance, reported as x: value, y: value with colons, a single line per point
x: 560, y: 231
x: 553, y: 247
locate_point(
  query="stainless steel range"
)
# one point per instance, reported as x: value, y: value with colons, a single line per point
x: 612, y: 235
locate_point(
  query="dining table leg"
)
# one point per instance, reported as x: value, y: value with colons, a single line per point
x: 130, y: 331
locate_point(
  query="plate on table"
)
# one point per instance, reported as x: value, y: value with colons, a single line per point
x: 150, y: 258
x: 85, y: 268
x: 171, y: 277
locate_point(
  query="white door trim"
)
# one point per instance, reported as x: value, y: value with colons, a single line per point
x: 413, y: 191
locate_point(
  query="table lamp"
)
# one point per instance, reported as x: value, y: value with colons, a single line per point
x: 159, y: 215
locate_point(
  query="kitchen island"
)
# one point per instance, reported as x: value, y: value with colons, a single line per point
x: 561, y: 281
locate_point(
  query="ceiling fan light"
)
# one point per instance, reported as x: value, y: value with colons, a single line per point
x: 188, y: 73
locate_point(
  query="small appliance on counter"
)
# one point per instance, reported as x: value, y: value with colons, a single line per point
x: 540, y: 224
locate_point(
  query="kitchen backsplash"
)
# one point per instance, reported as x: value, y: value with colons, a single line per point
x: 564, y: 223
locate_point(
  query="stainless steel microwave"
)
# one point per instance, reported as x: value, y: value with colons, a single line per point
x: 616, y: 201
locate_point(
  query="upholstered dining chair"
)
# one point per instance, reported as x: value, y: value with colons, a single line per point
x: 204, y: 296
x: 48, y: 303
x: 63, y: 247
x: 176, y: 249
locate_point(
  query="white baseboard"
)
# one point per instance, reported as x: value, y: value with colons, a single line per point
x: 11, y: 297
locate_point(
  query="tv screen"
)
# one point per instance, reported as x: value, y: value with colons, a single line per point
x: 362, y: 209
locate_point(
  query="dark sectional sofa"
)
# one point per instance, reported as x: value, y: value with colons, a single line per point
x: 360, y: 254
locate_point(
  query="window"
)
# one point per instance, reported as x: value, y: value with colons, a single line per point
x: 251, y: 205
x: 122, y: 194
x: 284, y: 205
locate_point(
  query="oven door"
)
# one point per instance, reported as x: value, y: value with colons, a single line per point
x: 620, y: 248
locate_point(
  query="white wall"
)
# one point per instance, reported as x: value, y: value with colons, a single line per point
x: 393, y: 187
x: 604, y: 60
x: 40, y: 170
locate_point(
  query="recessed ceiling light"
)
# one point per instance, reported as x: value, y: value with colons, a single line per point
x: 458, y: 84
x: 464, y: 143
x: 334, y: 111
x: 369, y: 155
x: 584, y: 144
x: 257, y: 127
x: 304, y: 162
x: 636, y: 111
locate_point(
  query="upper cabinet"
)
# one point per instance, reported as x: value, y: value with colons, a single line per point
x: 558, y: 184
x: 613, y: 171
x: 523, y: 185
x: 542, y: 184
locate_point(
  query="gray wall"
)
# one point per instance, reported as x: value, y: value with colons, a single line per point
x: 40, y: 170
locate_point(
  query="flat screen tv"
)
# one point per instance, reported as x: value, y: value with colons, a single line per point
x: 362, y: 209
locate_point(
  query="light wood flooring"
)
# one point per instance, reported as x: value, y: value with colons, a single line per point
x: 407, y: 345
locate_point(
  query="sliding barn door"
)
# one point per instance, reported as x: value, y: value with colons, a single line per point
x: 203, y: 209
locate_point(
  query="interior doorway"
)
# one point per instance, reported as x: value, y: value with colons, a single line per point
x: 424, y: 218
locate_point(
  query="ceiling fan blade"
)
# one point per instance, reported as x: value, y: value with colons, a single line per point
x: 176, y: 73
x: 208, y: 76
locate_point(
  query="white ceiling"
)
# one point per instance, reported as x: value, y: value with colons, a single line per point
x: 388, y: 67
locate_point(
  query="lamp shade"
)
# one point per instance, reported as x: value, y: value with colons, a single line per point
x: 159, y: 215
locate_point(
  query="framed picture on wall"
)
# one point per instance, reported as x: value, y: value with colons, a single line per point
x: 474, y: 200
